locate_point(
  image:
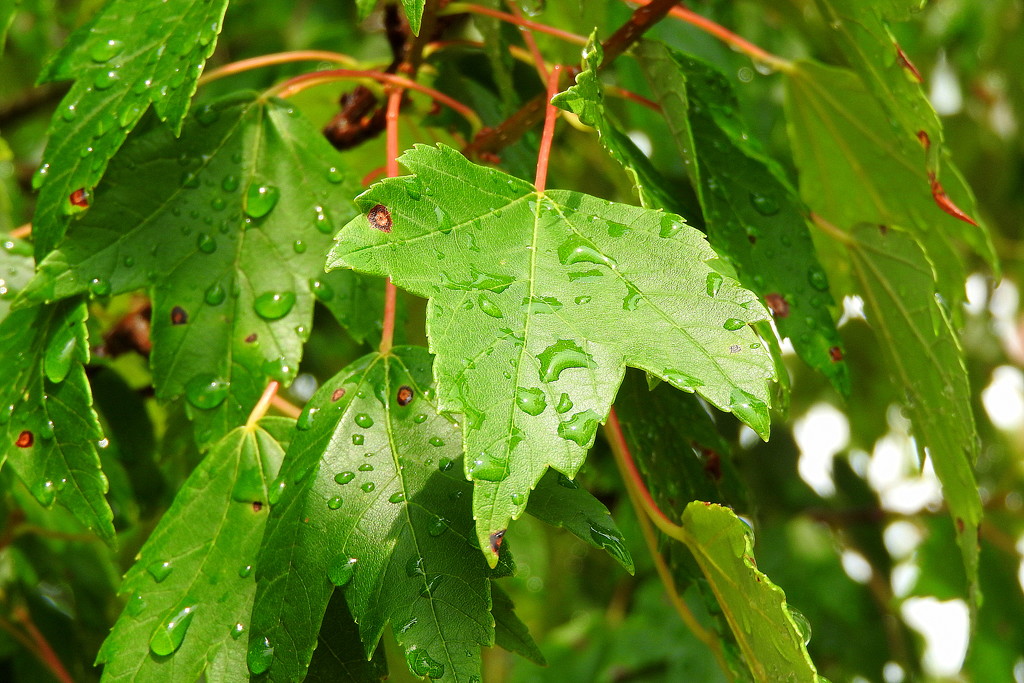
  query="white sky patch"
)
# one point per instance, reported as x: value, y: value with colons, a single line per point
x: 903, y: 578
x: 894, y: 473
x: 642, y: 140
x: 822, y: 432
x: 945, y: 92
x: 853, y: 309
x: 944, y: 626
x: 856, y: 566
x: 893, y: 673
x: 902, y: 538
x: 1003, y: 398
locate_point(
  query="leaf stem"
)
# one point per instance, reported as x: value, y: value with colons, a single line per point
x: 550, y: 116
x: 465, y: 7
x: 758, y: 54
x: 642, y: 19
x: 277, y: 58
x: 646, y: 510
x: 35, y: 642
x: 22, y: 231
x: 387, y: 336
x: 261, y: 407
x: 303, y: 81
x: 285, y: 407
x: 831, y: 230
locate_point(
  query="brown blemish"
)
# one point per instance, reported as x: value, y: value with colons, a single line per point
x: 405, y: 395
x: 25, y: 439
x: 923, y: 138
x: 257, y: 506
x: 836, y: 354
x: 945, y: 203
x: 495, y: 540
x: 778, y: 304
x: 79, y: 198
x: 179, y: 316
x: 251, y: 338
x: 907, y: 64
x: 380, y: 218
x: 338, y: 393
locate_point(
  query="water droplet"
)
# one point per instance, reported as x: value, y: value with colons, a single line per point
x: 436, y: 441
x: 190, y: 180
x: 160, y: 570
x: 368, y: 487
x: 105, y: 79
x: 230, y: 183
x: 437, y: 526
x: 260, y: 655
x: 244, y: 571
x: 261, y: 199
x: 488, y: 468
x: 445, y: 464
x: 803, y: 626
x: 214, y: 295
x: 566, y: 482
x: 396, y: 497
x: 341, y: 569
x: 169, y: 635
x: 334, y: 503
x: 344, y: 477
x: 305, y: 420
x: 334, y: 175
x: 518, y: 499
x: 750, y: 410
x: 207, y: 115
x: 816, y: 276
x: 541, y: 304
x: 364, y: 420
x: 561, y: 356
x: 763, y: 204
x: 420, y: 418
x: 670, y: 225
x: 479, y: 280
x: 206, y: 391
x: 237, y: 630
x: 714, y: 283
x: 205, y: 243
x: 99, y: 287
x: 580, y: 300
x: 531, y: 400
x: 633, y: 298
x: 580, y: 428
x: 136, y: 605
x: 357, y: 439
x: 366, y: 467
x: 733, y: 324
x: 681, y: 380
x: 421, y: 664
x: 488, y: 306
x: 321, y: 221
x: 274, y: 305
x: 610, y: 541
x: 579, y: 250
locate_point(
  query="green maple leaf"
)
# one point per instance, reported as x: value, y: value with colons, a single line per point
x: 538, y: 301
x: 753, y: 215
x: 126, y: 58
x: 191, y: 588
x: 16, y: 269
x: 413, y: 11
x: 925, y: 357
x: 372, y: 500
x: 227, y: 228
x: 50, y: 431
x: 771, y: 637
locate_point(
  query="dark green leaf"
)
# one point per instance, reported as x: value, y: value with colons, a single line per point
x: 414, y: 11
x: 926, y: 360
x: 50, y: 431
x: 509, y: 631
x: 124, y: 59
x: 372, y: 500
x: 339, y: 655
x: 753, y: 216
x: 16, y: 269
x: 191, y: 589
x: 8, y: 8
x: 227, y: 227
x: 538, y: 302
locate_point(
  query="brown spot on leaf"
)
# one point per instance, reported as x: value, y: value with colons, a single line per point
x: 79, y: 198
x: 25, y: 439
x: 251, y: 338
x: 179, y: 316
x: 945, y: 203
x: 836, y: 354
x: 923, y: 138
x: 712, y: 463
x: 735, y: 348
x: 778, y: 304
x: 884, y: 229
x: 751, y: 239
x: 257, y: 506
x: 338, y: 393
x: 495, y: 540
x: 907, y: 64
x: 405, y: 395
x: 959, y: 525
x: 380, y: 218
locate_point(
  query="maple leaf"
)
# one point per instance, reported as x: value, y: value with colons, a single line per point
x: 538, y: 301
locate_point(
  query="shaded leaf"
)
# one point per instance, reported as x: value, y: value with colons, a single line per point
x: 539, y: 301
x: 191, y: 588
x: 586, y: 100
x: 124, y: 59
x: 8, y: 8
x: 561, y: 502
x: 339, y: 655
x: 509, y: 631
x: 755, y: 608
x: 753, y: 216
x: 372, y: 500
x: 16, y: 269
x: 855, y: 169
x: 414, y: 11
x: 232, y: 287
x: 926, y: 361
x: 50, y: 430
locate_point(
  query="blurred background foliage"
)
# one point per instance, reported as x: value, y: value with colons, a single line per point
x: 845, y: 520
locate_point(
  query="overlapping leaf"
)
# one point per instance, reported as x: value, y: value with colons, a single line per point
x: 227, y: 228
x: 126, y: 58
x: 752, y: 214
x: 925, y: 358
x: 372, y: 499
x: 586, y: 100
x: 413, y: 11
x: 767, y: 632
x: 16, y: 269
x: 8, y: 8
x: 50, y: 431
x: 855, y: 169
x: 538, y: 300
x: 191, y: 587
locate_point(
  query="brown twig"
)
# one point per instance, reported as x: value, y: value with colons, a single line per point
x: 643, y: 18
